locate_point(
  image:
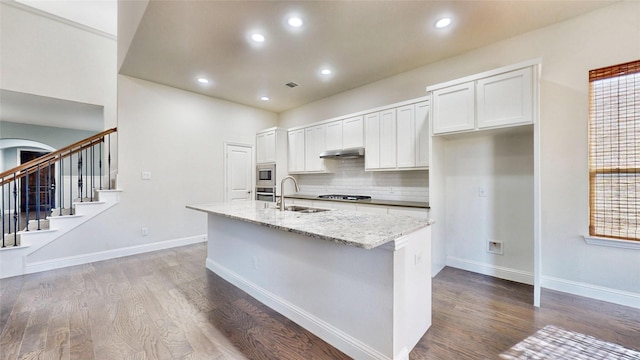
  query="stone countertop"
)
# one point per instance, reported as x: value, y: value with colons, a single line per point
x: 415, y: 204
x: 341, y: 226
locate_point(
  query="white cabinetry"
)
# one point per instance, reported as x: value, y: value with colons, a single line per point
x: 454, y: 108
x: 498, y: 98
x: 388, y: 139
x: 372, y: 141
x: 314, y: 144
x: 296, y: 151
x: 333, y: 135
x: 406, y: 136
x: 271, y: 145
x: 423, y: 135
x: 505, y: 99
x: 352, y: 132
x: 398, y: 138
x: 344, y: 134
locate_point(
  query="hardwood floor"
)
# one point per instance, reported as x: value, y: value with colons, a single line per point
x: 167, y: 305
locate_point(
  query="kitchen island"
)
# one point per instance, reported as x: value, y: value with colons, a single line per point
x: 359, y: 281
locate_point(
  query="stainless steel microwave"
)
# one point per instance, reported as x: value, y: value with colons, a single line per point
x: 266, y: 175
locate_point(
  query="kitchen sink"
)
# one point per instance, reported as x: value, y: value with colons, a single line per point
x: 304, y: 209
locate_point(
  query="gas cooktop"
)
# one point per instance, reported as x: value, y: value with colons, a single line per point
x: 344, y: 197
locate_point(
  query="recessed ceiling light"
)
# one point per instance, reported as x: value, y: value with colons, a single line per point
x: 325, y: 71
x: 257, y: 37
x: 203, y: 81
x: 295, y: 22
x: 265, y: 98
x: 442, y: 23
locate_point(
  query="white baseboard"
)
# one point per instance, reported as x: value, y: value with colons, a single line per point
x: 334, y: 336
x: 45, y: 265
x: 619, y: 297
x: 491, y: 270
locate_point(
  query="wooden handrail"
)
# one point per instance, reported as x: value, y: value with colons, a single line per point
x: 61, y: 153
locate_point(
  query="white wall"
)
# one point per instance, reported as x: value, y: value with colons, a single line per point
x: 179, y: 137
x: 568, y: 50
x: 45, y: 57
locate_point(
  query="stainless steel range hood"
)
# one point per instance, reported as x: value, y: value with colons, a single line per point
x: 343, y: 154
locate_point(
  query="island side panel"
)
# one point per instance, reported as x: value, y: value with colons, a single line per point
x: 412, y: 290
x: 341, y: 293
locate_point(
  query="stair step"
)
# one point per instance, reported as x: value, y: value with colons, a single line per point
x: 33, y: 224
x: 8, y: 240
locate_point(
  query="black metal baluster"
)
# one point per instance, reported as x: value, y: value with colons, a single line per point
x: 92, y: 171
x: 80, y: 175
x: 50, y: 189
x: 38, y: 193
x: 109, y: 162
x: 15, y: 211
x: 3, y: 211
x: 70, y: 182
x: 26, y: 198
x: 100, y: 162
x: 60, y: 186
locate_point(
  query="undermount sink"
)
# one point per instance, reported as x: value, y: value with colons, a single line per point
x: 304, y: 209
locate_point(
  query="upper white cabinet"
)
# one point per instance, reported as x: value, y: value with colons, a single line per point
x: 499, y: 98
x: 344, y: 134
x: 271, y: 146
x: 505, y: 99
x: 266, y: 147
x: 333, y: 135
x: 398, y: 138
x: 296, y: 151
x: 353, y: 132
x: 454, y: 108
x: 423, y: 135
x: 314, y: 138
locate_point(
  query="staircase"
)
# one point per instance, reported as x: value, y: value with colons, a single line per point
x: 72, y: 179
x: 14, y: 259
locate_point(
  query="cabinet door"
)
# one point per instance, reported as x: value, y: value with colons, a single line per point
x: 352, y: 132
x: 314, y: 145
x: 296, y: 151
x: 454, y: 108
x: 423, y: 136
x: 333, y: 135
x: 406, y: 136
x: 261, y: 148
x: 270, y: 146
x: 505, y: 99
x: 388, y: 139
x: 372, y: 141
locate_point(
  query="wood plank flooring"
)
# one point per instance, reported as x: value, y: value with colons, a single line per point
x: 167, y: 305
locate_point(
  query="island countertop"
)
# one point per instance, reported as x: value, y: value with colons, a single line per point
x: 341, y: 226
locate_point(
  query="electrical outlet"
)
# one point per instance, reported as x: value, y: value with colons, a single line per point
x: 144, y: 231
x: 418, y: 258
x: 146, y: 175
x: 254, y: 261
x: 495, y: 247
x: 482, y: 192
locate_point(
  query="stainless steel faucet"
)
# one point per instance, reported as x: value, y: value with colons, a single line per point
x: 282, y: 189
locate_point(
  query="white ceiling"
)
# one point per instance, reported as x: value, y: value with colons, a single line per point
x: 45, y: 111
x: 361, y: 41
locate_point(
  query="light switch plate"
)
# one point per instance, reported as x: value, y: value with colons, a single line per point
x: 146, y: 175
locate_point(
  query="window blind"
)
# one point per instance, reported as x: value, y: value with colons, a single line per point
x: 614, y: 151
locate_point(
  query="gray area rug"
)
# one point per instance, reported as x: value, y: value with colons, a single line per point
x: 552, y: 342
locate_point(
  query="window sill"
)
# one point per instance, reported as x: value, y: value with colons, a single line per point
x: 622, y: 244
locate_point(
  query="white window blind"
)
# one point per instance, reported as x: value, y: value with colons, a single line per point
x: 614, y: 151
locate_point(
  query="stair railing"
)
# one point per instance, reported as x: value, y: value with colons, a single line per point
x: 22, y: 188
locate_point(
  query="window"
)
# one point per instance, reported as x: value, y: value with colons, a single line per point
x: 614, y: 151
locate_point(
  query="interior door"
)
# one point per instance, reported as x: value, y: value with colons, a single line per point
x: 239, y: 172
x: 41, y: 188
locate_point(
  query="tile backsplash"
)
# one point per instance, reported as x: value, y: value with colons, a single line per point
x: 350, y: 178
